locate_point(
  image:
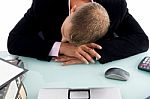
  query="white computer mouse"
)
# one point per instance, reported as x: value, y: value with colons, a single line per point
x: 117, y: 74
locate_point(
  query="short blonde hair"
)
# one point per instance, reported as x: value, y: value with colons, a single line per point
x: 89, y: 23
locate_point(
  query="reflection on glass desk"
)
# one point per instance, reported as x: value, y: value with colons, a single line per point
x: 44, y: 74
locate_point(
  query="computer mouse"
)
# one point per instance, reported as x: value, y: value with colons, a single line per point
x: 117, y: 74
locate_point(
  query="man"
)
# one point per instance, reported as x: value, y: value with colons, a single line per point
x: 124, y: 37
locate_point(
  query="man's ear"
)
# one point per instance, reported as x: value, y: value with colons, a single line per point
x: 73, y: 8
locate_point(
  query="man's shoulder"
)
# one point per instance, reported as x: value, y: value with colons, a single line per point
x: 47, y: 6
x: 112, y: 3
x: 115, y: 8
x: 55, y: 3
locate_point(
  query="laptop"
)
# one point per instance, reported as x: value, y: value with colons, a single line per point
x: 90, y: 93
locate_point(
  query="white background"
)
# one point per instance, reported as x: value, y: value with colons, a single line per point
x: 11, y: 11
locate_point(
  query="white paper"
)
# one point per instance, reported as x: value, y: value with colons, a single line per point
x: 8, y: 71
x: 12, y: 90
x: 95, y: 93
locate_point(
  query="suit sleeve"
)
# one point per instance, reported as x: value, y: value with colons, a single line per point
x: 131, y: 40
x: 24, y: 39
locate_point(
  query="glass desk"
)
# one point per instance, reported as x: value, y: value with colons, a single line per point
x: 44, y: 74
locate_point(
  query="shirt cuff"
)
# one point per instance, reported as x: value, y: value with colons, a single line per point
x: 55, y: 49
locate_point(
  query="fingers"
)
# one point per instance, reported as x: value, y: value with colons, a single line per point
x: 87, y: 57
x: 90, y: 52
x: 63, y: 58
x: 84, y: 58
x: 67, y: 60
x: 72, y: 62
x: 93, y: 45
x: 86, y: 52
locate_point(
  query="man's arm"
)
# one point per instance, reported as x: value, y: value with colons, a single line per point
x: 24, y: 39
x: 131, y: 40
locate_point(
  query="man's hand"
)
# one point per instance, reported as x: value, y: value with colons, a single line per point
x: 67, y: 60
x: 84, y: 53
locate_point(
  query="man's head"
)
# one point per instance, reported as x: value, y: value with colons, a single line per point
x: 86, y: 23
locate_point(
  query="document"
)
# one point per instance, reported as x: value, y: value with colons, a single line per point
x: 9, y: 72
x: 93, y: 93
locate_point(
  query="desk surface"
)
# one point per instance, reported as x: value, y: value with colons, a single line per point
x: 43, y: 74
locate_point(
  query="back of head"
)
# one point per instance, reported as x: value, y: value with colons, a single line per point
x: 89, y: 23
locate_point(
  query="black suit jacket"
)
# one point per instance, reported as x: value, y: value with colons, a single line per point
x: 125, y: 37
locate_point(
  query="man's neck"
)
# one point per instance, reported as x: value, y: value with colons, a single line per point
x: 78, y: 2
